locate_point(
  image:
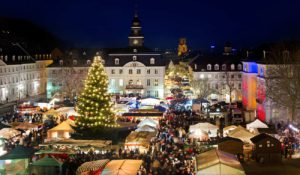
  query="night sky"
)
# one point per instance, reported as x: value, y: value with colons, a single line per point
x: 106, y: 23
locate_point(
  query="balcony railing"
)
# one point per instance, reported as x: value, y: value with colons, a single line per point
x: 134, y: 86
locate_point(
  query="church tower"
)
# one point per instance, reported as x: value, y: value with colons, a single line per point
x: 136, y: 38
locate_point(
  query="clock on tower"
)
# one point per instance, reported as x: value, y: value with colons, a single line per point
x: 136, y: 37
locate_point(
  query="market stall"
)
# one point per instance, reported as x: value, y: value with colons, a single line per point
x: 61, y: 131
x: 199, y: 128
x: 16, y: 161
x: 199, y: 135
x: 52, y: 113
x: 26, y: 126
x: 150, y: 102
x: 122, y: 167
x: 139, y: 140
x: 46, y: 166
x: 253, y: 126
x: 92, y: 167
x: 146, y: 128
x: 216, y: 162
x: 227, y: 129
x: 9, y: 133
x: 242, y: 134
x: 67, y: 111
x: 149, y: 122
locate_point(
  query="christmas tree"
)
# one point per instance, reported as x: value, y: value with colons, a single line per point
x: 94, y: 105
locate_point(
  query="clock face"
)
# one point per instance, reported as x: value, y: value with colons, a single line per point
x: 135, y: 41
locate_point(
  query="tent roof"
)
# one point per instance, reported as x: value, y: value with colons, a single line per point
x: 2, y: 125
x: 262, y: 136
x: 92, y: 166
x: 204, y: 126
x: 241, y: 133
x: 224, y: 139
x: 63, y: 126
x: 146, y: 128
x: 26, y: 126
x: 47, y: 161
x: 122, y: 167
x: 139, y: 137
x: 19, y: 152
x: 213, y: 157
x: 231, y: 127
x: 148, y: 122
x: 257, y: 124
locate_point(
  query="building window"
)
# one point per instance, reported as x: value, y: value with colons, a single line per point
x: 209, y: 76
x: 156, y: 71
x: 74, y: 62
x: 112, y: 82
x: 152, y: 61
x: 113, y: 71
x: 120, y: 71
x: 121, y: 82
x: 135, y: 50
x: 239, y: 75
x: 208, y: 67
x: 134, y: 58
x: 88, y: 62
x: 148, y: 93
x: 61, y: 62
x: 148, y: 71
x: 232, y: 76
x: 201, y: 76
x: 148, y: 82
x: 240, y: 86
x: 156, y: 94
x: 224, y: 67
x: 239, y: 67
x: 138, y: 82
x: 130, y: 82
x: 216, y: 67
x: 217, y: 86
x: 117, y: 61
x: 138, y: 71
x: 156, y: 82
x: 130, y: 71
x: 195, y: 66
x: 232, y: 67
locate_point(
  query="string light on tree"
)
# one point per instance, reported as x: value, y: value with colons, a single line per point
x: 94, y: 105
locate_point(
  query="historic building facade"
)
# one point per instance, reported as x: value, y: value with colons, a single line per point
x: 134, y: 70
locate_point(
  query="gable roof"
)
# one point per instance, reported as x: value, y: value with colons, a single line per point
x: 224, y: 139
x: 262, y: 136
x: 19, y: 152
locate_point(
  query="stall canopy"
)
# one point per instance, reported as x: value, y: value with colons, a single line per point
x: 122, y: 167
x: 146, y: 128
x: 9, y: 133
x: 227, y: 129
x: 69, y: 111
x: 3, y: 125
x: 60, y: 131
x: 256, y: 124
x: 27, y: 126
x: 149, y: 122
x: 216, y: 162
x: 93, y: 166
x: 49, y: 113
x: 19, y: 152
x: 201, y: 135
x: 242, y: 134
x: 150, y: 101
x: 46, y: 165
x: 199, y: 128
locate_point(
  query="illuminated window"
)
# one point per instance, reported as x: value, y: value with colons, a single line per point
x: 112, y: 82
x: 88, y: 62
x: 201, y: 76
x: 195, y: 66
x: 121, y: 82
x: 134, y: 58
x: 61, y: 62
x: 117, y: 61
x: 232, y: 66
x: 156, y: 82
x: 216, y: 67
x: 156, y: 94
x: 152, y: 61
x: 74, y: 62
x: 208, y: 67
x: 148, y: 93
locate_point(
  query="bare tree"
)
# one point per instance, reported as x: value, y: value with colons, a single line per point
x: 283, y: 79
x: 201, y: 88
x: 228, y: 85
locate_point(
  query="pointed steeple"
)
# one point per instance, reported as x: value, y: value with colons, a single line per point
x: 136, y: 38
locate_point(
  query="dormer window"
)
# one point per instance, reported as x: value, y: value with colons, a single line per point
x: 135, y: 50
x: 70, y: 53
x: 232, y: 67
x: 61, y: 62
x: 239, y: 67
x: 152, y: 61
x: 88, y: 62
x: 117, y: 61
x: 74, y: 62
x: 5, y: 58
x: 134, y: 58
x: 84, y: 53
x: 216, y: 67
x: 208, y: 67
x: 224, y: 67
x: 195, y: 66
x: 1, y: 57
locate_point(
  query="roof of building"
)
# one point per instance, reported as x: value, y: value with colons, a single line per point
x: 224, y: 139
x: 262, y: 136
x: 19, y: 152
